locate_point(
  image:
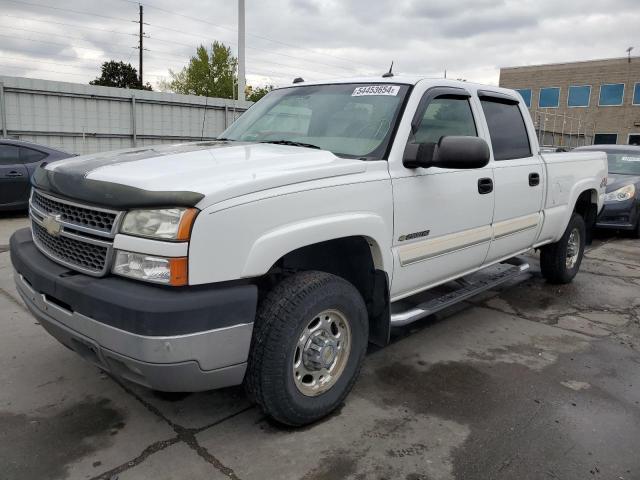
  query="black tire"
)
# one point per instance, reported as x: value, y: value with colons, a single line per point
x: 283, y: 314
x: 553, y: 257
x: 636, y: 232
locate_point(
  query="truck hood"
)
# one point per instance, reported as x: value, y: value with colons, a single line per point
x: 184, y: 174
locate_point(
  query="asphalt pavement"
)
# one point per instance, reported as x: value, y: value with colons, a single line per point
x: 533, y: 381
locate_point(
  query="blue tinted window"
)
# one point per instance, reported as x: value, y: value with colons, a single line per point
x: 611, y: 94
x: 579, y: 96
x: 636, y: 94
x: 605, y: 139
x: 526, y: 95
x: 549, y: 97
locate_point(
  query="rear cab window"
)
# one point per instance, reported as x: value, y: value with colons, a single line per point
x: 507, y: 129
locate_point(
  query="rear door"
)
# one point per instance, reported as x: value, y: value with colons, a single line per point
x: 14, y: 177
x: 518, y: 175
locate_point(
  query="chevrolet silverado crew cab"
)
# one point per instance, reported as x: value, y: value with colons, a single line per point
x: 325, y: 215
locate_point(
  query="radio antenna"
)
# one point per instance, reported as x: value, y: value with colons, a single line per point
x: 389, y: 73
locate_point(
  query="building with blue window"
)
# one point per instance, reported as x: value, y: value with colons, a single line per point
x: 597, y: 100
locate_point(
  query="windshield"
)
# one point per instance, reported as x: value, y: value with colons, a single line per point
x: 624, y: 163
x: 350, y: 120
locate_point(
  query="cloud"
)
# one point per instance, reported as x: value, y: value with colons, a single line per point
x: 317, y: 39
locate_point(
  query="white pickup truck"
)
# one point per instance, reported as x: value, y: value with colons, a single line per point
x: 327, y: 214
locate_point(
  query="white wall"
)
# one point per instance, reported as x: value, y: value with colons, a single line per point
x: 82, y: 118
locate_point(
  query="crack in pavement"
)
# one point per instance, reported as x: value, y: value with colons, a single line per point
x: 9, y: 297
x: 183, y: 434
x: 147, y: 452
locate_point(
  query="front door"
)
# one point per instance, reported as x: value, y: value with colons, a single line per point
x: 14, y: 177
x: 442, y: 216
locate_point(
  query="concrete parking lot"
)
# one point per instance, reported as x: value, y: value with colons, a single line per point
x: 530, y: 382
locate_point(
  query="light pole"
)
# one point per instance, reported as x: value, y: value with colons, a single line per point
x: 241, y: 79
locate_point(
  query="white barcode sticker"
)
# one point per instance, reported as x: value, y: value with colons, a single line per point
x: 631, y: 159
x: 376, y: 90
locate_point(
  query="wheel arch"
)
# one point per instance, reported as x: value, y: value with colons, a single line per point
x: 352, y: 258
x: 586, y: 205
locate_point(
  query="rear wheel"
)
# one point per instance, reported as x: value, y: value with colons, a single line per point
x: 310, y: 337
x: 560, y: 261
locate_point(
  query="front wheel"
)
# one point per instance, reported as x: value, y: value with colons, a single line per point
x: 309, y: 341
x: 560, y: 261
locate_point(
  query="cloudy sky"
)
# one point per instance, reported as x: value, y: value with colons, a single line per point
x: 316, y: 39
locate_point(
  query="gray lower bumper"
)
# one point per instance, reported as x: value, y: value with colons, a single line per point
x: 184, y: 363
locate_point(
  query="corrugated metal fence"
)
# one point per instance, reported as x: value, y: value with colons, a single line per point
x: 85, y: 118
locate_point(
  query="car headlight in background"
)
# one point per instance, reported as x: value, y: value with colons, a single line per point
x: 151, y: 268
x: 161, y: 224
x: 621, y: 194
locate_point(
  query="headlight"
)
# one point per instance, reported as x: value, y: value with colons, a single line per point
x: 150, y: 268
x: 621, y: 194
x: 162, y: 224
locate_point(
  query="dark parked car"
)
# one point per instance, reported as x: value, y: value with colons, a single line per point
x: 622, y: 203
x: 18, y: 160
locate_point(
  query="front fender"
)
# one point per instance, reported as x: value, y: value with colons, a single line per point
x: 273, y: 245
x: 245, y: 240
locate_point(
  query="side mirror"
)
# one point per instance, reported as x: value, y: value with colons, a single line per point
x: 450, y: 152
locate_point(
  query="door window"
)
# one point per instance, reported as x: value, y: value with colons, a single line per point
x: 446, y: 116
x: 29, y: 155
x: 8, y: 155
x: 507, y: 129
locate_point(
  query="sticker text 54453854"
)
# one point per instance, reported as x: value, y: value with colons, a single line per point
x: 376, y: 90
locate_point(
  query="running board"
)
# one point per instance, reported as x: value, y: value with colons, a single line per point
x: 489, y: 278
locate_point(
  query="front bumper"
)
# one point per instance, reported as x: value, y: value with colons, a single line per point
x: 619, y: 215
x: 189, y: 339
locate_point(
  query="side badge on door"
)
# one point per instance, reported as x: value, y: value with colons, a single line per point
x: 411, y: 236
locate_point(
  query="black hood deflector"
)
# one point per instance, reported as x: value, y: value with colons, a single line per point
x: 109, y: 194
x: 69, y: 179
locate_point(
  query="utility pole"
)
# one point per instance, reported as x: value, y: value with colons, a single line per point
x: 241, y: 79
x: 140, y: 46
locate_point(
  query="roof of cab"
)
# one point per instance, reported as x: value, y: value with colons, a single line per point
x: 405, y: 80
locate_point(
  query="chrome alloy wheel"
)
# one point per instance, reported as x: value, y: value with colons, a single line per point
x: 573, y: 248
x: 321, y: 353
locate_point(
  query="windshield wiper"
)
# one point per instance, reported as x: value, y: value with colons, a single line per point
x: 292, y: 143
x: 223, y: 139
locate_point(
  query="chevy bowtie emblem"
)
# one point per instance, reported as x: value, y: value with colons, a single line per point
x: 52, y: 224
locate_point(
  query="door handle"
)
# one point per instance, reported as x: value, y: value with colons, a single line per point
x: 13, y: 173
x: 534, y: 179
x: 485, y: 185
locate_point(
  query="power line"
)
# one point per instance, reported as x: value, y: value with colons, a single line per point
x: 87, y: 69
x: 69, y: 25
x: 162, y: 40
x: 255, y: 36
x: 68, y: 10
x: 11, y: 27
x: 252, y: 48
x: 61, y: 44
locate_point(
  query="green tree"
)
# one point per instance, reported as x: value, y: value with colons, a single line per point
x: 255, y: 94
x: 209, y: 73
x: 119, y: 74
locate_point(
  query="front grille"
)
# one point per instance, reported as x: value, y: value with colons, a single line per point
x: 75, y: 235
x: 70, y: 251
x: 87, y: 217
